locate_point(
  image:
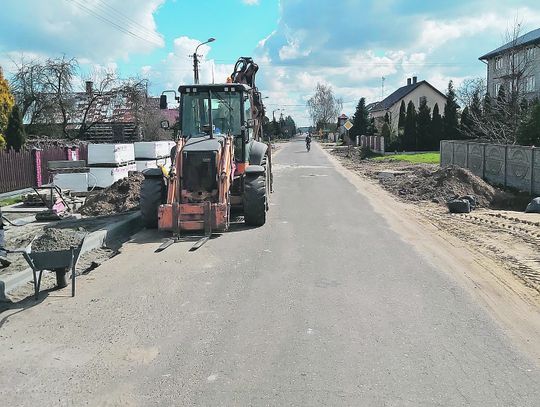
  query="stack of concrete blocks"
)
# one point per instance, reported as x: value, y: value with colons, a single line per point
x: 71, y: 175
x: 152, y: 154
x: 109, y: 163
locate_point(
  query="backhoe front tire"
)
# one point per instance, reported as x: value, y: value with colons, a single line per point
x: 255, y: 199
x: 152, y: 193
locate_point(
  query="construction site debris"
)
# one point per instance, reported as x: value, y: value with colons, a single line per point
x: 533, y: 206
x: 459, y: 206
x: 430, y: 182
x: 57, y: 239
x: 440, y: 185
x: 122, y: 196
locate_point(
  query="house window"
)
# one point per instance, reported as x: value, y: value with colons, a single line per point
x: 530, y: 54
x: 422, y: 99
x: 530, y: 84
x: 497, y: 88
x: 498, y: 63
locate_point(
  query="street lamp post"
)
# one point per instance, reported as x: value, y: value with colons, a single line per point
x: 196, y: 60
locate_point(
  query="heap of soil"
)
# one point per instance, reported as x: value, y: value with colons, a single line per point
x: 122, y: 196
x: 440, y: 185
x: 57, y: 239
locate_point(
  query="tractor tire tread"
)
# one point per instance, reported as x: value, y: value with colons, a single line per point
x: 151, y: 197
x: 255, y: 200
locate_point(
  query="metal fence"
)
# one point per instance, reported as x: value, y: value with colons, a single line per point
x: 506, y: 165
x: 17, y: 170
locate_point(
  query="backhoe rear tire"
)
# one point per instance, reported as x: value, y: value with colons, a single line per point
x: 152, y: 193
x: 255, y: 199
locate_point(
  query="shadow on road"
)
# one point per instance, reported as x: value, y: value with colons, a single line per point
x: 149, y: 236
x: 28, y: 302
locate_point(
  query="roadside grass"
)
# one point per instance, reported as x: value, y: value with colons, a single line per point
x: 420, y: 158
x: 10, y: 201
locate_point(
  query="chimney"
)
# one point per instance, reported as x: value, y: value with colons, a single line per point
x: 414, y: 79
x: 89, y: 87
x: 408, y: 81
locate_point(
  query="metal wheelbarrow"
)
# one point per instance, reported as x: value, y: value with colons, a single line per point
x: 59, y: 261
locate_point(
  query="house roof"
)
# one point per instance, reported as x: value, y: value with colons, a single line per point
x: 532, y: 37
x: 343, y: 116
x: 399, y: 94
x: 370, y: 106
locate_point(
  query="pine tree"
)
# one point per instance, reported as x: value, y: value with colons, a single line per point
x: 487, y: 111
x: 529, y: 132
x: 424, y: 141
x: 466, y: 123
x: 450, y: 119
x: 410, y: 130
x: 6, y: 102
x: 475, y: 116
x: 436, y: 128
x: 401, y: 120
x: 15, y: 136
x: 372, y: 129
x: 385, y: 132
x: 360, y: 120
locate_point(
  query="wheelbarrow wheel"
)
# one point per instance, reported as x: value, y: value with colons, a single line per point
x: 61, y: 280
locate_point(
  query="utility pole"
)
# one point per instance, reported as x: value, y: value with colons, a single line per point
x: 195, y: 57
x: 382, y: 87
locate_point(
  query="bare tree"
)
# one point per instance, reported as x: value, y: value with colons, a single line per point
x: 151, y: 125
x: 323, y: 106
x: 497, y: 116
x: 59, y: 74
x: 98, y: 85
x: 29, y: 84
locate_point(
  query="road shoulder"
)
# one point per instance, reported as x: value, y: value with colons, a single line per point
x: 514, y: 306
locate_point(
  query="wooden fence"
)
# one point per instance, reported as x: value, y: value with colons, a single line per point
x: 17, y: 170
x: 28, y: 168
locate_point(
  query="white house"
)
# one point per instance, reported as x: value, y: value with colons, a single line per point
x: 414, y: 91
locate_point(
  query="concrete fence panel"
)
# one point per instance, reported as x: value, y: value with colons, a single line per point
x: 535, y: 181
x: 518, y: 167
x: 507, y: 165
x: 446, y: 153
x: 460, y: 154
x: 495, y: 164
x: 475, y: 160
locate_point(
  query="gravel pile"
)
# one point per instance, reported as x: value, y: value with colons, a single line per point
x: 122, y: 196
x: 430, y: 182
x: 57, y: 239
x: 440, y: 185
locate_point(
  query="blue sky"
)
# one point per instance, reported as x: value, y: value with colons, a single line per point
x: 349, y: 44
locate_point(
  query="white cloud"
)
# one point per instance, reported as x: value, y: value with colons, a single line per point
x: 251, y: 2
x: 90, y: 30
x: 177, y: 67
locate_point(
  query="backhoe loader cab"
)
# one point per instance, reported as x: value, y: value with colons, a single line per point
x: 217, y: 111
x: 218, y: 163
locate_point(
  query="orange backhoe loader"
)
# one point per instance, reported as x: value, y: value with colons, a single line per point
x: 219, y: 162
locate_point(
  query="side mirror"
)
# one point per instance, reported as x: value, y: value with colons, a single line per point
x: 165, y: 124
x: 163, y: 102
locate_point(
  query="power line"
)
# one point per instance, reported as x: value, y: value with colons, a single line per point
x: 106, y: 20
x: 134, y: 24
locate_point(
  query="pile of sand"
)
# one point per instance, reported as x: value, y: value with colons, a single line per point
x: 440, y: 185
x: 122, y: 196
x: 57, y: 239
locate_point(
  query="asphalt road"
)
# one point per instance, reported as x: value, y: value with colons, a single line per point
x: 323, y: 306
